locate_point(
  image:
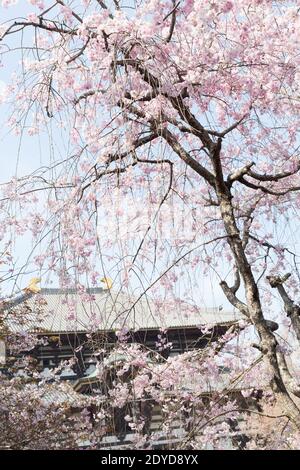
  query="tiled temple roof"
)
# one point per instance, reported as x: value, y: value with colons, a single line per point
x: 58, y: 311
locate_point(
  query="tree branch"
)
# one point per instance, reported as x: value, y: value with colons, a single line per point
x: 185, y: 156
x: 291, y: 308
x: 173, y: 20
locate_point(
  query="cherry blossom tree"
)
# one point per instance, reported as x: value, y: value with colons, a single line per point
x: 177, y: 126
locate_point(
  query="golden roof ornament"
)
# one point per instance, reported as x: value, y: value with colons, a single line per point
x: 32, y: 286
x: 107, y: 282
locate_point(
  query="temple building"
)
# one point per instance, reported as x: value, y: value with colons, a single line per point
x: 75, y: 325
x: 85, y: 327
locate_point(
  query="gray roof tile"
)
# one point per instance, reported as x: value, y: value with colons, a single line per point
x: 110, y: 310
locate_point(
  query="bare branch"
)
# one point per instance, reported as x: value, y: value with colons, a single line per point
x: 237, y: 174
x: 291, y: 308
x: 230, y: 294
x: 275, y: 177
x: 185, y: 156
x: 229, y: 129
x: 173, y: 20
